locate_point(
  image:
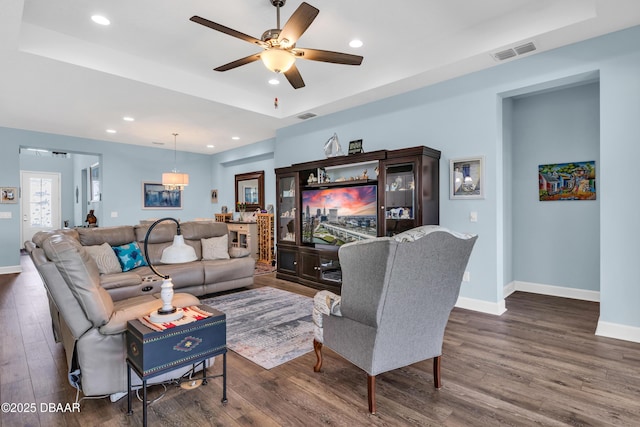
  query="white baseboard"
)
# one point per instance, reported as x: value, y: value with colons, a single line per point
x: 11, y: 269
x: 496, y: 308
x: 556, y: 291
x: 618, y: 331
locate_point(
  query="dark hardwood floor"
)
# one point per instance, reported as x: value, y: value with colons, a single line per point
x: 538, y: 364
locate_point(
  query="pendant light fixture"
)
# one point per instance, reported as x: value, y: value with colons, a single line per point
x: 174, y: 180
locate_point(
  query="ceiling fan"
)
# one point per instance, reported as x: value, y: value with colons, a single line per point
x: 280, y: 51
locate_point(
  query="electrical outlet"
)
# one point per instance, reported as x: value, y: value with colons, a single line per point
x: 466, y: 277
x: 114, y: 214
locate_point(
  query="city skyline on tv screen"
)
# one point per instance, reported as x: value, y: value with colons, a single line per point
x: 349, y: 201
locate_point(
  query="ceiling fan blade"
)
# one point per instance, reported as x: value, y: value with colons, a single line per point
x: 294, y: 77
x: 226, y: 30
x: 328, y: 56
x: 238, y: 62
x: 298, y: 23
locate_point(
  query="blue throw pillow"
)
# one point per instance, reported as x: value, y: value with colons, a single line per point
x: 130, y: 256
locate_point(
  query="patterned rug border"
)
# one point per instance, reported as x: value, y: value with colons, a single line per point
x: 266, y: 325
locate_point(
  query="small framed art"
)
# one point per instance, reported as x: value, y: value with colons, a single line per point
x: 9, y: 195
x: 467, y: 178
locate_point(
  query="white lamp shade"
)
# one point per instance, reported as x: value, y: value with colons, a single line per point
x: 175, y: 179
x: 178, y: 252
x: 277, y: 59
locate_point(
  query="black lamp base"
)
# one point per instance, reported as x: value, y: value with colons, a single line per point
x: 164, y: 312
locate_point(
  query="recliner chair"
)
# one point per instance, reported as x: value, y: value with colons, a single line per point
x: 87, y: 321
x: 397, y: 294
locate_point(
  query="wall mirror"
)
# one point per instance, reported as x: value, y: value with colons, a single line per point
x: 250, y: 190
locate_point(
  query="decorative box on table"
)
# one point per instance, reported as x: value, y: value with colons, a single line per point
x: 151, y: 352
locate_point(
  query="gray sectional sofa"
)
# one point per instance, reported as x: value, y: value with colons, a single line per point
x: 90, y: 309
x: 200, y: 277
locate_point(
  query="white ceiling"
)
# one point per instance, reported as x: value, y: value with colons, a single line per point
x: 63, y: 74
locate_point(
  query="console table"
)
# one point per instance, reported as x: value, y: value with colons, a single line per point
x: 244, y: 235
x: 151, y: 353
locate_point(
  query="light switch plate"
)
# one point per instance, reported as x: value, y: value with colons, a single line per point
x: 5, y: 215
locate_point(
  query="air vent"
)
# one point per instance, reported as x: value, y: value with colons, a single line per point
x: 306, y: 116
x: 525, y: 48
x: 504, y: 54
x: 157, y: 143
x: 515, y: 51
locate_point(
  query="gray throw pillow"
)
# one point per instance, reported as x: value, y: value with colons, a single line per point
x: 106, y: 259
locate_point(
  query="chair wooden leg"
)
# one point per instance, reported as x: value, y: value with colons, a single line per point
x: 436, y: 372
x: 317, y: 347
x: 371, y: 391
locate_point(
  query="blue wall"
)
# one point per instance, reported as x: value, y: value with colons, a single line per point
x: 249, y: 158
x: 555, y: 243
x: 462, y: 117
x: 123, y: 168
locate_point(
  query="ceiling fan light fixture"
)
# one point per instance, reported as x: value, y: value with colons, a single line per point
x: 277, y: 60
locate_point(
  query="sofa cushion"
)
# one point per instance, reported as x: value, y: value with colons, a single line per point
x: 222, y: 270
x: 114, y: 236
x: 41, y: 236
x: 119, y: 280
x: 129, y: 256
x: 105, y: 258
x: 215, y: 247
x: 80, y: 273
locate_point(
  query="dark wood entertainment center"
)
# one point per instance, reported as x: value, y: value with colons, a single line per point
x: 407, y: 196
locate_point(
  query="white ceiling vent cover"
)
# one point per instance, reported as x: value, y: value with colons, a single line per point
x: 515, y: 51
x: 306, y: 116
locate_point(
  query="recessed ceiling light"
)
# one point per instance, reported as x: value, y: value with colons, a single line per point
x: 274, y: 82
x: 211, y: 146
x: 101, y: 20
x: 355, y: 43
x: 235, y: 138
x: 111, y: 131
x: 128, y: 119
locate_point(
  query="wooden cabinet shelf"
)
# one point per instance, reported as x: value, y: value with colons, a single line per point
x: 403, y: 193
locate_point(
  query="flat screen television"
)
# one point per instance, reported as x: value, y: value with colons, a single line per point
x: 337, y: 215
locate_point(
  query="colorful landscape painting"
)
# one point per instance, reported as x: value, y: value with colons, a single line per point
x: 567, y: 181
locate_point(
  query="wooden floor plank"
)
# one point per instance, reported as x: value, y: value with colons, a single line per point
x: 537, y: 364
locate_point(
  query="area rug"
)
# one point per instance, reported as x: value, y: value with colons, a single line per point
x: 266, y: 325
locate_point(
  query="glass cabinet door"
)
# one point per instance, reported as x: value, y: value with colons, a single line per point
x: 400, y: 208
x: 286, y: 209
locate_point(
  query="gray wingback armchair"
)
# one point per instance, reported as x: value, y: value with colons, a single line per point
x: 397, y: 294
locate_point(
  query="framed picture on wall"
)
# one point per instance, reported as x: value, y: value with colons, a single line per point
x: 155, y: 196
x: 9, y: 195
x: 467, y: 178
x: 567, y: 181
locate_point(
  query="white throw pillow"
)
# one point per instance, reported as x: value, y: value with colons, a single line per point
x: 215, y: 248
x: 106, y: 259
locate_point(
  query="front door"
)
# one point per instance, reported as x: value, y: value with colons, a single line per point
x: 40, y: 203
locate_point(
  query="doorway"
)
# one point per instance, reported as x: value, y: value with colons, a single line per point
x: 40, y: 203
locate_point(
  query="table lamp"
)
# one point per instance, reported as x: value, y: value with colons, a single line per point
x: 178, y: 252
